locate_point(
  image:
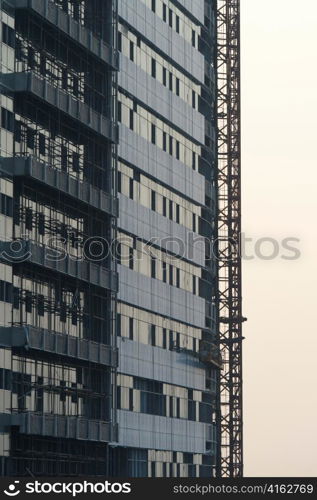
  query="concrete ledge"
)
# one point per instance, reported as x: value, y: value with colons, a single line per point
x: 82, y: 191
x: 58, y: 426
x: 140, y: 430
x: 18, y: 251
x: 39, y: 339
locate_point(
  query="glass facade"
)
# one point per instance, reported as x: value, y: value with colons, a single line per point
x: 55, y: 393
x: 109, y: 361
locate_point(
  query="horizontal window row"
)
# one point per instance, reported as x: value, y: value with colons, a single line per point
x: 154, y: 386
x: 39, y: 219
x: 147, y: 396
x: 176, y: 19
x: 154, y: 196
x: 159, y: 68
x: 148, y: 328
x: 69, y: 160
x: 77, y: 78
x: 154, y: 130
x: 158, y: 463
x: 156, y: 264
x: 95, y: 16
x: 42, y: 223
x: 51, y: 305
x: 61, y: 147
x: 166, y: 469
x: 53, y: 372
x: 29, y: 58
x: 57, y: 225
x: 43, y: 305
x: 72, y: 313
x: 58, y: 389
x: 39, y: 144
x: 166, y: 339
x: 143, y: 249
x: 175, y: 457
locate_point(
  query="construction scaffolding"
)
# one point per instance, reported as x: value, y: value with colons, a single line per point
x: 229, y: 231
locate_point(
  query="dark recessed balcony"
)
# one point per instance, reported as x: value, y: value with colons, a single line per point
x: 40, y: 89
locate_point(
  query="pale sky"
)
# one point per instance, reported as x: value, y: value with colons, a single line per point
x: 279, y: 104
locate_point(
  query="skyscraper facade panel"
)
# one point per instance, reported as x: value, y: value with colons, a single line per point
x: 108, y: 284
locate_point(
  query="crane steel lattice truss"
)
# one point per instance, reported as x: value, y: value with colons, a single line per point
x: 229, y: 231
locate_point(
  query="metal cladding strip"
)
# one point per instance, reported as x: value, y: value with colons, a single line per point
x: 60, y: 426
x: 32, y: 338
x: 18, y: 251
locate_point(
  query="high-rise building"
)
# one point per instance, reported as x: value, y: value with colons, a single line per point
x: 109, y: 325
